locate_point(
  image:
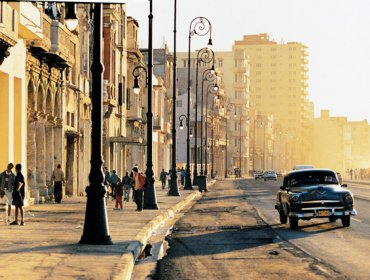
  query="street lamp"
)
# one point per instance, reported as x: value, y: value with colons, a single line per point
x: 210, y: 76
x: 174, y: 189
x: 228, y: 108
x: 150, y: 200
x: 200, y: 26
x: 204, y: 55
x: 96, y: 229
x: 212, y: 88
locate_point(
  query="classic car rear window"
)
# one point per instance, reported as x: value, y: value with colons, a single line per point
x: 308, y: 178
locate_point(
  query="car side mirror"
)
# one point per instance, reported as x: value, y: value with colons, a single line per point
x: 344, y: 186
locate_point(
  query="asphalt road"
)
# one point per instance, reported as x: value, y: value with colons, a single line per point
x: 224, y: 237
x: 346, y: 249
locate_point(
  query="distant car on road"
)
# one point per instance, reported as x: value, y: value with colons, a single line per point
x: 269, y: 175
x: 314, y: 193
x: 302, y: 166
x: 258, y: 175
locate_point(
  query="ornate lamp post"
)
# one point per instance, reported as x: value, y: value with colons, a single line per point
x: 96, y: 230
x: 174, y: 189
x: 204, y: 55
x: 200, y: 26
x: 150, y: 200
x: 210, y: 76
x: 228, y: 108
x: 212, y: 88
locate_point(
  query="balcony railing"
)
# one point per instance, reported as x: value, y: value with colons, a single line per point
x: 45, y: 43
x: 62, y: 43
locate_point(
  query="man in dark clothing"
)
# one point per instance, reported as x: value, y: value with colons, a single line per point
x: 163, y: 177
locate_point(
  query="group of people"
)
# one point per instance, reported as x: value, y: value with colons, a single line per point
x: 119, y: 189
x: 166, y: 176
x: 12, y: 192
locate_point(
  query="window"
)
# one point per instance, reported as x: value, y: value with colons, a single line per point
x: 178, y: 103
x: 220, y: 63
x: 128, y: 99
x: 73, y: 120
x: 68, y: 118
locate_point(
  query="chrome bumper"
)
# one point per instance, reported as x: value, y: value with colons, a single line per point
x: 316, y: 213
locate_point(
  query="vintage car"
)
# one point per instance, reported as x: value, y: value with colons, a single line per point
x: 314, y: 193
x: 269, y: 175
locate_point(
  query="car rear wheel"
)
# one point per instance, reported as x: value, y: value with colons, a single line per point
x: 283, y: 217
x: 346, y: 221
x: 293, y: 222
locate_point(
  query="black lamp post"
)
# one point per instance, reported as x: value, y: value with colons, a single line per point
x: 212, y: 88
x: 228, y: 108
x: 174, y: 189
x: 96, y: 230
x: 208, y: 75
x: 200, y: 26
x: 150, y: 200
x: 204, y: 55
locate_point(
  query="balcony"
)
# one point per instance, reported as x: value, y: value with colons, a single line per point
x: 8, y: 29
x: 30, y: 20
x: 240, y: 69
x: 44, y: 44
x: 63, y: 47
x: 240, y: 84
x: 135, y: 114
x: 158, y: 123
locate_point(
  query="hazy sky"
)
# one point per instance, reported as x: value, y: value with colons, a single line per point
x: 335, y: 31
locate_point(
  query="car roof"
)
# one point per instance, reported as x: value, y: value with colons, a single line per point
x: 310, y: 170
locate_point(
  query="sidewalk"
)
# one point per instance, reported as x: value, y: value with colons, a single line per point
x: 46, y: 247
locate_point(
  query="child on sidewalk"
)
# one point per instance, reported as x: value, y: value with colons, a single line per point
x: 119, y: 195
x: 4, y: 202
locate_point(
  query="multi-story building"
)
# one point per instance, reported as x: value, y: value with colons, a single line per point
x: 135, y: 103
x: 50, y: 104
x: 13, y: 119
x: 236, y: 84
x: 115, y: 72
x: 278, y: 78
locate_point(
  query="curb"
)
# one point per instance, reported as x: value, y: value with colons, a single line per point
x: 128, y: 259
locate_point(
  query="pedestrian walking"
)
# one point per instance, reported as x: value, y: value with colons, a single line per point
x: 114, y: 180
x: 58, y: 178
x: 106, y: 178
x: 168, y: 176
x: 127, y: 182
x: 18, y: 195
x: 4, y: 204
x: 139, y: 182
x: 7, y: 180
x: 163, y: 178
x: 183, y: 174
x: 119, y: 194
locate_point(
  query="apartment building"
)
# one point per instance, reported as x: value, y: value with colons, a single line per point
x: 278, y: 77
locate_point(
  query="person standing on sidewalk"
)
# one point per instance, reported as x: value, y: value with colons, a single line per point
x: 18, y: 195
x: 119, y: 194
x: 163, y: 178
x: 183, y: 174
x: 127, y: 182
x: 114, y: 180
x: 138, y: 188
x: 7, y: 179
x: 58, y: 178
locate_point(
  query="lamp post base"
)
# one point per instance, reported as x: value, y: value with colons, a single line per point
x: 96, y: 221
x: 188, y: 185
x: 150, y: 201
x: 174, y: 190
